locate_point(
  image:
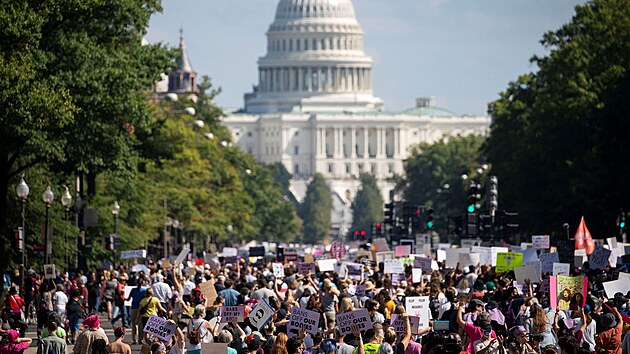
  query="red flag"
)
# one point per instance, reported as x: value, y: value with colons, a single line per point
x: 583, y: 238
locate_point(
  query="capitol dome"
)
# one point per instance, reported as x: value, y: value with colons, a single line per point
x: 314, y: 62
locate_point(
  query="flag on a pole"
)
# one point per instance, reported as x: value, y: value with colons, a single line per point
x: 583, y: 238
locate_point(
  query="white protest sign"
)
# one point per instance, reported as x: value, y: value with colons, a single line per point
x: 232, y: 313
x: 354, y: 270
x: 617, y: 286
x: 416, y: 275
x: 441, y: 255
x: 260, y: 314
x: 540, y: 242
x: 561, y: 269
x: 182, y: 255
x: 547, y: 260
x: 423, y: 263
x: 127, y: 292
x: 529, y: 271
x: 394, y: 266
x: 133, y: 254
x: 418, y: 306
x: 399, y: 325
x: 360, y: 291
x: 599, y: 258
x: 360, y: 318
x: 230, y: 252
x: 468, y: 259
x: 303, y: 319
x: 382, y: 256
x: 623, y: 275
x: 352, y: 289
x: 615, y: 253
x: 612, y: 242
x: 326, y: 265
x: 452, y: 256
x: 278, y: 270
x: 305, y: 268
x: 140, y: 268
x: 529, y: 255
x: 160, y: 328
x: 469, y: 242
x: 485, y: 254
x: 495, y: 251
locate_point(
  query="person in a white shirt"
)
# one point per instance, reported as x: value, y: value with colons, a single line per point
x: 60, y: 300
x: 162, y: 291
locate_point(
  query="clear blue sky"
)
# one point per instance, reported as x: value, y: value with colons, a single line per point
x: 463, y: 52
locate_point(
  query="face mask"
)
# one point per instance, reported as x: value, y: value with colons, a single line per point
x: 486, y: 333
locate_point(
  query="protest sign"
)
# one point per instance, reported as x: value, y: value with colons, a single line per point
x: 402, y: 251
x: 309, y: 258
x: 507, y: 261
x: 218, y: 348
x: 561, y: 269
x: 278, y: 270
x: 599, y: 258
x: 399, y: 325
x: 231, y: 313
x: 259, y: 316
x: 612, y: 242
x: 565, y: 289
x: 382, y: 256
x: 257, y: 251
x: 547, y: 260
x: 49, y: 271
x: 127, y: 291
x: 416, y: 275
x: 423, y: 263
x: 469, y: 242
x: 441, y: 255
x: 418, y: 306
x: 381, y: 245
x: 230, y: 252
x: 529, y: 255
x: 623, y: 275
x: 394, y: 266
x: 529, y: 271
x: 360, y: 291
x: 140, y: 268
x: 303, y: 319
x: 160, y: 328
x: 182, y: 255
x: 544, y: 286
x: 566, y: 251
x: 467, y: 259
x: 452, y: 256
x: 485, y: 254
x: 615, y: 253
x: 208, y: 291
x: 622, y: 285
x: 540, y: 242
x: 326, y: 265
x: 133, y: 254
x: 354, y: 270
x: 305, y: 268
x: 359, y: 317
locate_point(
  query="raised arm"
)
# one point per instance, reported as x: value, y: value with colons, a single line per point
x: 460, y: 319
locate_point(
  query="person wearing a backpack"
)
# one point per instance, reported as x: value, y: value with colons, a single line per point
x: 150, y: 305
x: 52, y: 344
x: 199, y: 331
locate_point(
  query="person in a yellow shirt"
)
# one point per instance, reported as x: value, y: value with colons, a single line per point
x: 150, y: 305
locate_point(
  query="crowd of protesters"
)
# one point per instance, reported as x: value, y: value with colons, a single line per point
x: 483, y: 312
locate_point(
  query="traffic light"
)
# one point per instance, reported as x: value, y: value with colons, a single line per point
x: 356, y: 233
x: 430, y: 223
x: 493, y: 193
x: 621, y: 222
x: 389, y: 213
x: 471, y: 224
x: 363, y: 233
x: 379, y: 229
x: 108, y: 242
x: 373, y: 229
x: 473, y: 197
x: 509, y: 224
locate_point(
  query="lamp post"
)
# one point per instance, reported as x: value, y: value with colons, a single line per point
x: 22, y: 193
x: 66, y: 201
x: 78, y: 208
x: 230, y: 229
x: 115, y: 211
x: 48, y: 198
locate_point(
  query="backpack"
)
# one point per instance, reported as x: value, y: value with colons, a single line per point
x: 194, y: 334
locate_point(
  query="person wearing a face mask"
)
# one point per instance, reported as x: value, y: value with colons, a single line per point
x: 486, y: 344
x: 522, y: 340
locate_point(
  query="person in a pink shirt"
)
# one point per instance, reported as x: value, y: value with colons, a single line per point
x: 12, y: 344
x: 473, y: 331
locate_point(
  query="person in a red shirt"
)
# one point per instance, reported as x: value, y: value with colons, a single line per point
x: 609, y: 341
x: 16, y: 304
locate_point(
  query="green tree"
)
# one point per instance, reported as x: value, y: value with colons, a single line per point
x: 560, y: 135
x: 316, y: 210
x: 367, y: 207
x: 433, y: 176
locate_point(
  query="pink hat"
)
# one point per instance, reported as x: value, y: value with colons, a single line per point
x: 13, y: 335
x: 92, y: 321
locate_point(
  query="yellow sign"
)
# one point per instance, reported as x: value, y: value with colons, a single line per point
x: 507, y: 261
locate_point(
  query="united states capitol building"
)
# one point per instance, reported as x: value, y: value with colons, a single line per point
x: 313, y: 108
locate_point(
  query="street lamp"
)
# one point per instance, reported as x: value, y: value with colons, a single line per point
x: 22, y: 193
x: 48, y: 198
x: 230, y: 229
x: 66, y: 201
x: 115, y: 211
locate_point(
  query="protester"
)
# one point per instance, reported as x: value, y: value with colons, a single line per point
x: 118, y: 346
x: 87, y: 338
x: 52, y: 344
x: 11, y: 343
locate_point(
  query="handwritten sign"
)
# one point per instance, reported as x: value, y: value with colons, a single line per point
x: 416, y: 275
x: 599, y: 258
x: 402, y: 251
x: 160, y: 328
x: 259, y: 316
x: 394, y: 266
x: 231, y: 313
x: 305, y: 268
x: 418, y: 306
x: 133, y: 254
x: 540, y: 242
x: 208, y: 291
x: 360, y: 290
x: 382, y: 256
x: 561, y: 269
x: 360, y: 318
x: 303, y: 319
x: 547, y: 260
x: 529, y: 271
x: 507, y: 261
x: 278, y: 270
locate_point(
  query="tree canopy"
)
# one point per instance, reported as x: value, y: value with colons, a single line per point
x: 367, y: 207
x: 316, y: 211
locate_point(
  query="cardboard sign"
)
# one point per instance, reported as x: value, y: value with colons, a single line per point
x: 232, y: 313
x: 507, y: 261
x: 423, y: 263
x: 133, y: 254
x: 305, y: 268
x: 529, y: 271
x: 208, y: 291
x: 561, y: 269
x: 160, y: 328
x: 402, y: 251
x: 547, y: 260
x: 303, y: 319
x: 400, y: 326
x: 382, y: 256
x: 599, y: 258
x: 259, y: 316
x: 540, y: 242
x: 359, y: 317
x: 49, y: 271
x: 360, y: 290
x: 622, y: 285
x: 394, y: 266
x: 354, y: 270
x: 326, y: 265
x: 278, y: 270
x: 468, y: 259
x: 418, y: 306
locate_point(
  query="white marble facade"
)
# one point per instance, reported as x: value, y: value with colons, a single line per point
x: 313, y: 108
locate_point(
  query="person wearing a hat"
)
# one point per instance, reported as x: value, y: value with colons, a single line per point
x: 474, y: 331
x: 87, y: 337
x: 253, y: 341
x: 486, y: 344
x: 609, y: 341
x: 12, y: 343
x: 475, y: 306
x: 522, y: 340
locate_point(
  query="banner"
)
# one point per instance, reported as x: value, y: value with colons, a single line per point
x: 302, y: 319
x: 305, y: 268
x: 259, y: 316
x: 394, y: 266
x: 507, y: 261
x: 133, y: 254
x: 232, y: 313
x: 583, y: 238
x: 568, y: 288
x: 599, y: 258
x: 547, y: 260
x: 561, y: 269
x: 160, y: 328
x: 359, y: 317
x: 418, y: 306
x: 540, y: 242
